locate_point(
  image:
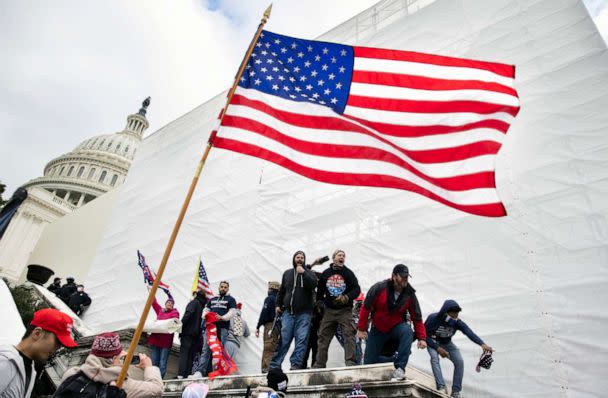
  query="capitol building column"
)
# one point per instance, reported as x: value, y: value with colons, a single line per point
x: 70, y: 181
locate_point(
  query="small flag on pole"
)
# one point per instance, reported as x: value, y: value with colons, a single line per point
x: 373, y: 117
x: 201, y: 281
x: 150, y: 276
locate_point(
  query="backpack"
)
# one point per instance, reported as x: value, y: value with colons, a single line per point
x: 79, y: 385
x: 237, y: 326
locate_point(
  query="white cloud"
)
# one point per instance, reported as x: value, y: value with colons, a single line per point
x: 72, y: 70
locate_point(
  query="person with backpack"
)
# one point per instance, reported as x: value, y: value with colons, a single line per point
x: 94, y: 377
x: 440, y: 327
x: 49, y: 330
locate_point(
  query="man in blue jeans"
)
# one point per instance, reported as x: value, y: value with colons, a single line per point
x: 295, y: 302
x: 387, y: 303
x: 440, y: 327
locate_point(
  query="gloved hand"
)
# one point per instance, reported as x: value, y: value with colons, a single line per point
x: 342, y: 299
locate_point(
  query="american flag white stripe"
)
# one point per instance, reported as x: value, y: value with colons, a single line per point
x: 425, y: 123
x: 333, y: 137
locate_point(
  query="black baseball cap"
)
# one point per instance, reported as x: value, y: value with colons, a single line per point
x: 401, y: 270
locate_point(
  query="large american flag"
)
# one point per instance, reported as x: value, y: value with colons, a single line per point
x: 373, y: 117
x: 202, y: 281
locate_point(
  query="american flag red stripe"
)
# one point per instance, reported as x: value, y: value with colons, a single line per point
x: 203, y: 281
x: 424, y: 123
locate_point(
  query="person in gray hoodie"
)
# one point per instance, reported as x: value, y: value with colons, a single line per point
x: 49, y: 330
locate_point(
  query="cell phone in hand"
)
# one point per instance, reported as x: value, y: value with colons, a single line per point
x: 134, y: 361
x: 324, y: 259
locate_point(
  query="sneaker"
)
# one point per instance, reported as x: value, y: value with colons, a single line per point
x: 180, y: 377
x: 398, y: 374
x: 456, y: 395
x: 196, y: 375
x: 295, y: 367
x: 443, y: 390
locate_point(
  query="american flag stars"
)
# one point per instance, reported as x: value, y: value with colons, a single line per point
x: 300, y: 70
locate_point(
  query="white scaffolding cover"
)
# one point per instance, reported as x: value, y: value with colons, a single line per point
x: 532, y: 284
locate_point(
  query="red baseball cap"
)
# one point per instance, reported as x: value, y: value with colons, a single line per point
x: 56, y: 322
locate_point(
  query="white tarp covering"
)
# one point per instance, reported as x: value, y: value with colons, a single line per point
x: 532, y: 284
x: 12, y: 326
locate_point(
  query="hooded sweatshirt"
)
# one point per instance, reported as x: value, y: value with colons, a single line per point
x: 297, y: 292
x: 101, y: 370
x: 13, y: 375
x: 440, y: 329
x: 336, y: 281
x: 162, y: 340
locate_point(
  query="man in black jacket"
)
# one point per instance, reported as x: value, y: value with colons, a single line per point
x: 55, y: 286
x: 67, y: 290
x: 338, y: 287
x: 295, y: 301
x: 191, y: 332
x: 79, y: 300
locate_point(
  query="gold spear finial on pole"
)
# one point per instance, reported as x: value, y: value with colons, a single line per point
x: 182, y: 213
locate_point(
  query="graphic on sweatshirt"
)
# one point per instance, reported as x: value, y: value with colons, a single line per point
x: 336, y: 285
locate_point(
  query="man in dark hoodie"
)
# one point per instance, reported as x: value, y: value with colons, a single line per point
x: 337, y: 288
x: 270, y: 338
x: 295, y: 301
x: 440, y: 327
x: 55, y: 286
x: 388, y: 302
x: 67, y: 290
x: 79, y: 301
x: 191, y: 332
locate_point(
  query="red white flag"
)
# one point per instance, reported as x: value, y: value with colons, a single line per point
x: 373, y: 117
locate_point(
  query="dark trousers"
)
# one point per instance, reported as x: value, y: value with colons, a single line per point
x: 333, y: 318
x: 186, y: 354
x: 271, y: 342
x: 311, y: 350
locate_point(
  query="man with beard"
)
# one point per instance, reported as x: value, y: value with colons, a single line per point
x: 337, y: 288
x: 388, y: 302
x: 295, y: 302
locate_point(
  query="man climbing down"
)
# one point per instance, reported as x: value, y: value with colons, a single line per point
x: 440, y: 327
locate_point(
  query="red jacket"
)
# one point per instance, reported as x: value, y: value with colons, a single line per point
x: 162, y: 340
x: 387, y: 312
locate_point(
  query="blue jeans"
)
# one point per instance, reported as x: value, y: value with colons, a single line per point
x: 298, y: 326
x: 376, y: 339
x: 159, y: 357
x: 456, y: 359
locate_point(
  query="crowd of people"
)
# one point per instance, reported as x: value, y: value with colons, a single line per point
x: 306, y: 307
x: 72, y: 294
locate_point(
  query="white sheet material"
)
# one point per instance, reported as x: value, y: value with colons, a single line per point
x: 532, y: 284
x: 12, y: 326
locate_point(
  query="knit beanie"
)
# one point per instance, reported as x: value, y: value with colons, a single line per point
x: 106, y: 345
x: 277, y: 380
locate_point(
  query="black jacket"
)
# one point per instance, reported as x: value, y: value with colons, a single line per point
x: 66, y: 291
x: 79, y: 299
x: 297, y: 292
x: 192, y: 319
x: 268, y: 311
x: 334, y: 282
x: 54, y: 287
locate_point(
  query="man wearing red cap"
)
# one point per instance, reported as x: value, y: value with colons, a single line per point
x: 49, y: 330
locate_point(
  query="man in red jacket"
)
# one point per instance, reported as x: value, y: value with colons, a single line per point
x: 388, y: 302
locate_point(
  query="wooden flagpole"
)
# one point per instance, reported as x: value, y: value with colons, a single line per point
x: 182, y: 213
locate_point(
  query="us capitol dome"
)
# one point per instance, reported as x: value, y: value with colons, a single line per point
x: 95, y: 166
